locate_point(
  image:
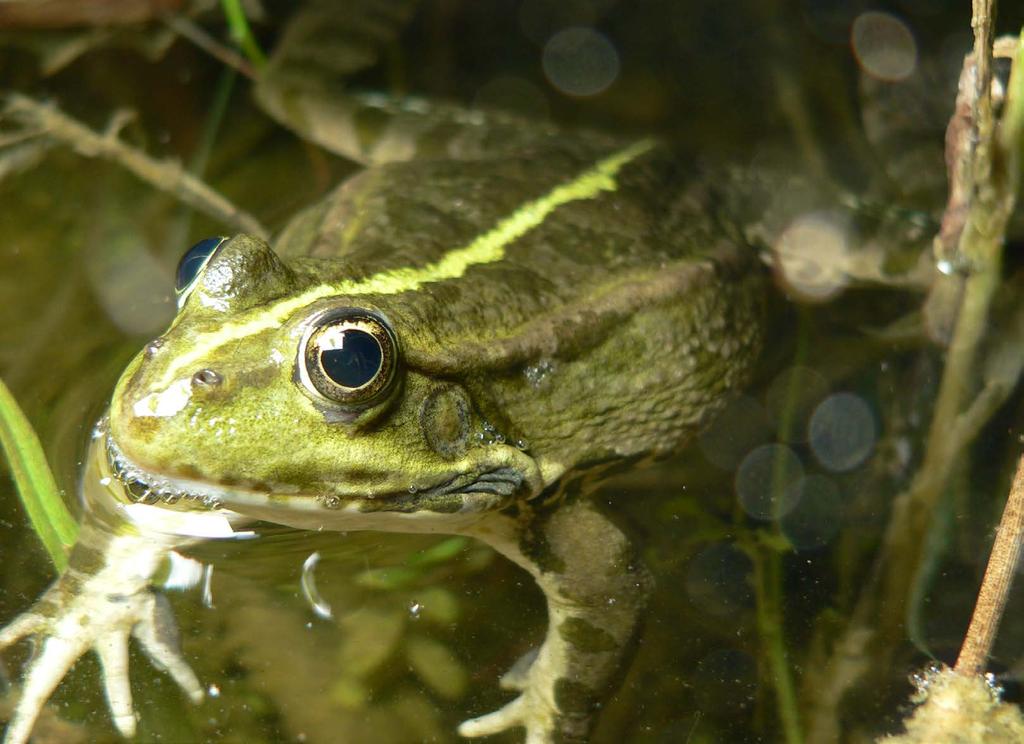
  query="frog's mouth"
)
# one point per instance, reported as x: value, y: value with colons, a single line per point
x: 141, y: 486
x: 460, y: 493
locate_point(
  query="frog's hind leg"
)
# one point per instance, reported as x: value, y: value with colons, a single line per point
x: 595, y: 589
x: 304, y: 87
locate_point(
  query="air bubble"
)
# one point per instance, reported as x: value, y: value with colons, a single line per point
x: 536, y: 374
x: 490, y: 434
x: 329, y: 502
x: 309, y: 590
x: 207, y: 592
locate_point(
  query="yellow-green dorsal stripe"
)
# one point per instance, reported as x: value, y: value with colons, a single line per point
x: 486, y: 248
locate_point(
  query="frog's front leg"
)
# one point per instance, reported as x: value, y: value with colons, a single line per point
x: 595, y: 589
x: 101, y: 599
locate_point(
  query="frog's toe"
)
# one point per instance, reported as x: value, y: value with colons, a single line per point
x: 542, y: 724
x: 24, y: 625
x: 113, y: 652
x: 101, y: 620
x: 46, y: 670
x: 518, y: 676
x: 507, y: 717
x: 158, y: 636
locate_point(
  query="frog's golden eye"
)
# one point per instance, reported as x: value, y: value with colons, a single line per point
x: 349, y: 356
x: 191, y: 266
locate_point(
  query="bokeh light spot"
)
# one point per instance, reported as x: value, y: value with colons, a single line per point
x: 842, y: 432
x: 515, y: 94
x: 718, y: 580
x: 811, y: 256
x: 580, y: 61
x: 814, y: 519
x: 792, y: 396
x: 884, y: 46
x: 764, y: 478
x: 738, y: 428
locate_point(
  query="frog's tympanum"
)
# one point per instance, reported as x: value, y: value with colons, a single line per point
x: 460, y: 339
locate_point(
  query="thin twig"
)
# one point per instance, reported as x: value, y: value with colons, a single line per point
x: 199, y: 36
x: 165, y: 175
x: 10, y: 139
x: 995, y: 586
x: 23, y: 157
x: 983, y: 19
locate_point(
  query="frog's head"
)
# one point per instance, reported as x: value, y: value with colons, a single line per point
x: 271, y: 391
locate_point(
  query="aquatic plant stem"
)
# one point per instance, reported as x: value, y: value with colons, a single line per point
x: 913, y: 510
x: 878, y: 620
x: 994, y: 194
x: 771, y: 619
x: 37, y: 489
x: 995, y: 586
x: 767, y: 560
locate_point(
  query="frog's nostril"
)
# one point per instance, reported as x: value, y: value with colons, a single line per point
x: 206, y: 378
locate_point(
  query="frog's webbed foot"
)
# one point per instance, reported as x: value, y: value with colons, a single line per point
x: 99, y: 612
x: 521, y: 712
x: 545, y: 719
x: 595, y: 591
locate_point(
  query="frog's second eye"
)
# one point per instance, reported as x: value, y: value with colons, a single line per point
x: 348, y: 357
x: 191, y: 266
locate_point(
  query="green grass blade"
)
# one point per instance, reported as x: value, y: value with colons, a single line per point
x: 36, y: 486
x: 1012, y: 128
x: 241, y: 33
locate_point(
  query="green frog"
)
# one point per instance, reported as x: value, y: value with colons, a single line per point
x: 463, y: 338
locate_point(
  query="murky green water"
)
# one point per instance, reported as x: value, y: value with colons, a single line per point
x: 423, y: 628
